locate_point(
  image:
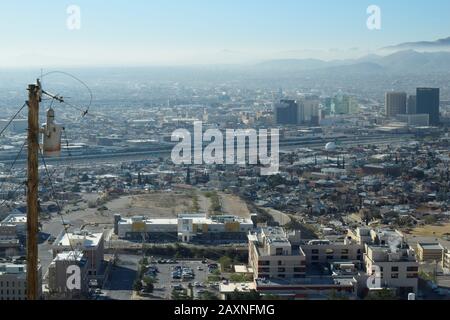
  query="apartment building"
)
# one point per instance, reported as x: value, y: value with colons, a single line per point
x: 61, y: 279
x: 398, y: 267
x: 13, y: 281
x: 430, y: 252
x: 327, y: 252
x: 446, y: 259
x: 91, y: 244
x: 273, y: 256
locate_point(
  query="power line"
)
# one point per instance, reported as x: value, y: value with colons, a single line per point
x: 65, y: 226
x: 14, y: 162
x: 91, y: 96
x: 12, y: 119
x: 20, y: 186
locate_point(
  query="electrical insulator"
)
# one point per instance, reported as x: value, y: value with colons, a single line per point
x: 51, y: 136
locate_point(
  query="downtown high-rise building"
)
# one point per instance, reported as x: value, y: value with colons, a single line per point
x: 411, y: 107
x: 286, y: 112
x: 395, y: 103
x: 428, y: 101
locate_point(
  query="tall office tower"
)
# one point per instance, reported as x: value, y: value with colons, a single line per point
x: 341, y: 105
x: 286, y: 112
x: 311, y: 110
x: 395, y: 103
x: 411, y: 107
x: 428, y: 100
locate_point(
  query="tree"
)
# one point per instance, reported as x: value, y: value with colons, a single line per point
x: 384, y: 294
x: 252, y: 295
x: 149, y: 286
x: 430, y: 219
x: 225, y: 263
x: 137, y: 285
x: 208, y: 296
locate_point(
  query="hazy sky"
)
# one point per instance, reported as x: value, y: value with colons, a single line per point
x: 208, y: 31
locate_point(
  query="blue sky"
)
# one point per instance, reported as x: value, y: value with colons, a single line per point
x: 209, y: 31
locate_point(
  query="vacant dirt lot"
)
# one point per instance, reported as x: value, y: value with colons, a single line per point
x: 234, y: 205
x: 432, y: 231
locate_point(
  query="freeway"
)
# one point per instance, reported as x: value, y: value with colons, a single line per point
x: 314, y: 143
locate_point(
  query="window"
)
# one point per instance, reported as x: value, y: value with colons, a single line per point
x: 264, y: 263
x: 412, y: 269
x: 394, y: 276
x: 412, y: 275
x: 279, y: 251
x: 298, y: 269
x: 344, y: 251
x: 315, y: 251
x: 394, y: 269
x: 344, y: 257
x: 282, y: 276
x: 280, y: 263
x: 330, y: 257
x: 315, y: 258
x: 281, y: 269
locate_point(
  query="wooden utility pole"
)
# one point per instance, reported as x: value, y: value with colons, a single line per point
x: 34, y: 93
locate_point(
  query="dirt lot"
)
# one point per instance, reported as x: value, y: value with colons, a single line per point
x: 155, y: 205
x: 234, y: 205
x: 432, y: 231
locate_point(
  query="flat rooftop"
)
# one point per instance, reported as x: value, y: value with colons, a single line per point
x: 69, y: 256
x: 15, y: 219
x: 308, y: 281
x: 84, y: 240
x: 240, y: 287
x: 431, y: 246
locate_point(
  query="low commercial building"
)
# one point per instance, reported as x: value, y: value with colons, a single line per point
x: 13, y: 281
x: 9, y: 242
x: 398, y: 267
x: 18, y: 220
x: 62, y: 280
x: 430, y: 252
x: 310, y: 288
x: 185, y: 228
x: 91, y: 244
x: 230, y: 288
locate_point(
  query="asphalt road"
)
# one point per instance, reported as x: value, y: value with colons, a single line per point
x: 120, y: 282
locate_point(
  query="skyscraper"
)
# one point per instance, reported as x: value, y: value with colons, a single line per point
x: 428, y: 100
x: 412, y: 105
x: 286, y: 112
x: 395, y: 103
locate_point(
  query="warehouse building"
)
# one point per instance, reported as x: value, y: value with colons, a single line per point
x: 186, y: 228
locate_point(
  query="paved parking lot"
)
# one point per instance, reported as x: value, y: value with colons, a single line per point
x: 164, y: 286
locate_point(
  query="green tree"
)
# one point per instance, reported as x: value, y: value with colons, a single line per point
x: 225, y: 263
x: 137, y: 285
x: 251, y: 296
x: 208, y: 296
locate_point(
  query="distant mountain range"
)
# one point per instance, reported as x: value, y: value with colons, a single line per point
x: 438, y: 45
x: 407, y: 61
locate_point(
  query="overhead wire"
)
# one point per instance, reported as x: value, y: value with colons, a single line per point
x: 12, y: 119
x: 52, y: 189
